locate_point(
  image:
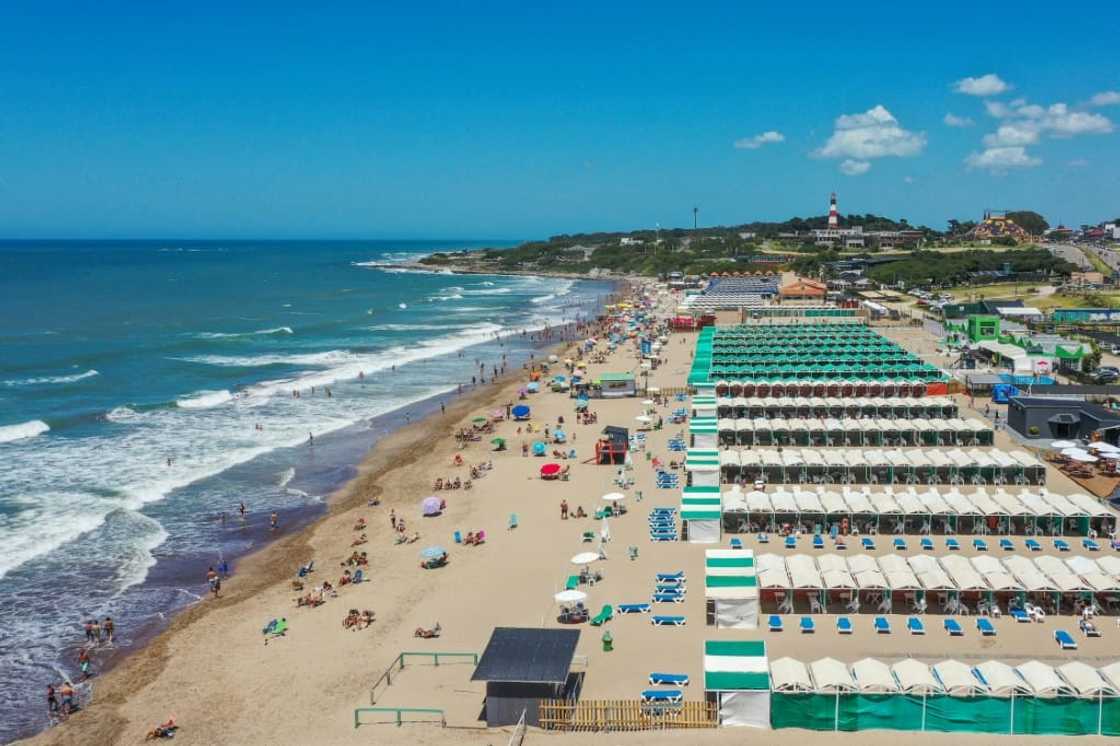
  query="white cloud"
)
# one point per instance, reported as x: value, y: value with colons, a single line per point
x: 1001, y: 159
x: 953, y: 120
x: 1011, y: 135
x: 873, y: 134
x: 756, y: 142
x: 1105, y: 98
x: 1061, y: 122
x: 854, y: 168
x: 998, y: 109
x: 985, y: 85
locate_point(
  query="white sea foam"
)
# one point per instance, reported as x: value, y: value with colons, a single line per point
x: 452, y: 296
x: 543, y: 298
x: 22, y: 431
x: 121, y: 414
x: 204, y: 399
x: 286, y: 476
x: 411, y: 327
x: 259, y: 332
x: 137, y: 555
x: 489, y: 291
x: 42, y: 380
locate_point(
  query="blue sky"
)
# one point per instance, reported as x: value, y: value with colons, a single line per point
x: 503, y: 121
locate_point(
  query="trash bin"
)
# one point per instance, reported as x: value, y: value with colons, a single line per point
x: 608, y: 641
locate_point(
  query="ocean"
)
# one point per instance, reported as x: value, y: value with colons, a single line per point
x: 146, y: 387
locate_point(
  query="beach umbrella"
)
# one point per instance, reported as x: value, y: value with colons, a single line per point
x: 648, y: 402
x: 1063, y: 444
x: 432, y: 553
x: 1103, y: 447
x: 431, y: 505
x: 498, y: 441
x: 611, y: 497
x: 539, y: 447
x: 1079, y: 455
x: 585, y: 558
x: 550, y: 470
x: 480, y: 420
x: 644, y: 418
x: 570, y: 597
x: 521, y: 411
x: 552, y: 358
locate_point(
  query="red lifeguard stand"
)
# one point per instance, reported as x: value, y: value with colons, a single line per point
x: 611, y: 448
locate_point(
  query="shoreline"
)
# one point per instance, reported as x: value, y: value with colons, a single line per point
x: 271, y: 565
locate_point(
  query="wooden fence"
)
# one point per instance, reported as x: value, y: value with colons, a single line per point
x: 620, y: 714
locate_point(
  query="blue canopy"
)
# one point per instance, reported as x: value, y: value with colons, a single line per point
x: 433, y: 553
x: 539, y: 448
x: 520, y: 411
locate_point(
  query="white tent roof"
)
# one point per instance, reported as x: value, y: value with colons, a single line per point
x: 1011, y: 504
x: 758, y: 502
x: 830, y: 675
x: 729, y: 458
x: 1002, y: 679
x: 1110, y: 564
x: 873, y: 676
x: 961, y: 504
x: 962, y: 572
x: 803, y: 571
x: 808, y: 502
x: 1111, y: 674
x: 935, y: 503
x: 783, y: 502
x: 1043, y: 679
x: 1061, y: 505
x: 789, y: 675
x: 770, y: 561
x: 858, y: 502
x: 1079, y: 564
x: 902, y: 580
x: 862, y: 563
x: 1087, y: 504
x: 832, y: 562
x: 832, y: 502
x: 884, y: 503
x: 915, y: 677
x: 838, y: 579
x: 1028, y: 574
x: 939, y: 458
x: 1085, y: 680
x: 1100, y: 582
x: 956, y: 678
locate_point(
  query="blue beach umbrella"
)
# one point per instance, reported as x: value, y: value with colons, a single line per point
x: 432, y: 553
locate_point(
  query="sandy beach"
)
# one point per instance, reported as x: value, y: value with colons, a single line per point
x: 212, y: 671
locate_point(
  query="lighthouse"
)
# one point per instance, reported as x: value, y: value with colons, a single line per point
x: 833, y: 215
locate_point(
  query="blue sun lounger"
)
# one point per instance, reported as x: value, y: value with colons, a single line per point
x: 663, y: 536
x: 1091, y: 545
x: 667, y: 621
x: 1033, y: 545
x: 662, y: 695
x: 668, y: 577
x: 1020, y: 615
x: 668, y: 598
x: 844, y: 625
x: 927, y: 544
x: 1061, y: 545
x: 1007, y: 545
x: 775, y: 623
x: 791, y: 542
x: 668, y: 588
x: 882, y: 626
x: 818, y: 541
x: 952, y: 544
x: 914, y: 624
x: 866, y: 543
x: 953, y: 627
x: 763, y: 538
x: 1065, y: 640
x: 670, y: 679
x: 987, y: 629
x: 736, y: 542
x: 807, y: 626
x: 899, y: 544
x: 633, y: 608
x: 980, y: 545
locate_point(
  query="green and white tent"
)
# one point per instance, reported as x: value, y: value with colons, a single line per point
x: 702, y: 465
x: 704, y: 406
x: 731, y: 587
x: 737, y: 675
x: 704, y: 432
x: 701, y: 511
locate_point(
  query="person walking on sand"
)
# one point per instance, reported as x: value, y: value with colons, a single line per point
x: 393, y: 519
x: 241, y: 510
x: 563, y: 510
x: 274, y: 521
x: 107, y: 626
x: 85, y: 665
x: 214, y: 581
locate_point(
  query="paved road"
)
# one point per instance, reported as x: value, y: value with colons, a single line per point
x: 1071, y: 254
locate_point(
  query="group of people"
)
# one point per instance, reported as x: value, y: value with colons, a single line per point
x: 356, y: 620
x: 565, y: 513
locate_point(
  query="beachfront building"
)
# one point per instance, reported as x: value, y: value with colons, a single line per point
x: 803, y: 288
x: 522, y: 666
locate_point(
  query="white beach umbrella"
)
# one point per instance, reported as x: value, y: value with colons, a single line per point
x: 611, y: 497
x: 645, y: 418
x: 570, y: 597
x: 1103, y: 447
x: 648, y: 402
x: 585, y: 558
x: 1059, y: 444
x: 1079, y: 455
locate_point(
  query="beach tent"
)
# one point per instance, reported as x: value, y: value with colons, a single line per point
x: 737, y: 675
x: 731, y: 588
x: 702, y: 465
x: 1001, y: 679
x: 873, y: 677
x: 704, y: 432
x: 915, y: 677
x: 789, y: 675
x: 830, y: 676
x: 957, y: 679
x: 701, y: 513
x: 1086, y: 680
x: 1044, y: 680
x: 703, y: 406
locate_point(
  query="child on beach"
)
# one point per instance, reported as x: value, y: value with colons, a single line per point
x: 214, y: 581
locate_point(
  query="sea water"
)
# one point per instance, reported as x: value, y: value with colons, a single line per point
x: 146, y: 388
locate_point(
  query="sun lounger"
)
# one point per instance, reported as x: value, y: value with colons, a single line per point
x: 663, y: 537
x: 670, y: 679
x: 807, y: 625
x: 573, y: 583
x: 775, y: 623
x: 667, y: 621
x: 1007, y: 545
x: 844, y: 625
x: 668, y: 598
x: 953, y: 627
x: 1020, y: 615
x: 1088, y: 628
x: 987, y: 629
x: 867, y: 543
x: 588, y: 536
x: 358, y: 577
x: 882, y: 626
x: 763, y: 538
x: 668, y: 588
x: 736, y: 542
x: 818, y: 541
x: 668, y: 577
x: 1091, y: 545
x: 1065, y: 640
x: 633, y: 608
x: 662, y: 695
x: 1061, y: 545
x: 952, y: 544
x: 791, y: 542
x: 899, y: 544
x: 1033, y: 545
x: 840, y: 544
x: 914, y: 624
x: 927, y: 544
x: 605, y: 615
x: 980, y: 545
